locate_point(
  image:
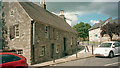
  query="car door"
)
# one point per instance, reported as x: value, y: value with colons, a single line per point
x: 119, y: 48
x: 10, y: 60
x: 116, y: 48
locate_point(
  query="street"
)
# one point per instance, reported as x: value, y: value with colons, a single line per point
x: 93, y: 61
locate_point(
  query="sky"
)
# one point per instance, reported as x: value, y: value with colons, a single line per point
x: 87, y: 12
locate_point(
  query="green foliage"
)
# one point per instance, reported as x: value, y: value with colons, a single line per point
x: 82, y: 29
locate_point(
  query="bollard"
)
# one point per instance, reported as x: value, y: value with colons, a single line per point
x: 77, y: 51
x: 53, y: 60
x: 87, y: 48
x: 92, y: 49
x: 76, y: 55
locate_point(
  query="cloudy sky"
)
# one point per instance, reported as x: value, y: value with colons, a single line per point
x: 87, y: 12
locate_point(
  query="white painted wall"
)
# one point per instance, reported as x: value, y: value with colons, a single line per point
x: 94, y: 35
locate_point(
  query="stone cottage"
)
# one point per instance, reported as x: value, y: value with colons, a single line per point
x: 36, y: 33
x: 95, y: 30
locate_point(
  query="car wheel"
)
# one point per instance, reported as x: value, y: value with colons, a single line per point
x: 111, y: 54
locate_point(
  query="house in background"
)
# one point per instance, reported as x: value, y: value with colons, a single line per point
x: 95, y: 30
x: 36, y: 33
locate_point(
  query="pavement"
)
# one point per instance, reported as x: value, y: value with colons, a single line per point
x: 80, y: 55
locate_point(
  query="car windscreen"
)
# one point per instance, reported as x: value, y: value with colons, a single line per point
x: 8, y: 58
x: 105, y: 45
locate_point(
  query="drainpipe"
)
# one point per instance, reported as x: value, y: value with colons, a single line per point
x: 32, y: 41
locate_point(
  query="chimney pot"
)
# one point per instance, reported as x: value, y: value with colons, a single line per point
x: 42, y: 4
x: 61, y: 12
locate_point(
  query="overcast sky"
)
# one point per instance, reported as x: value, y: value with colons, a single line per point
x: 87, y: 12
x: 77, y: 0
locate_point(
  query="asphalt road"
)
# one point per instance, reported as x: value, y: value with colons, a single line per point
x: 93, y: 61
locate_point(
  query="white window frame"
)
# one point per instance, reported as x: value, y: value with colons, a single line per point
x: 42, y: 50
x: 46, y: 33
x: 72, y: 41
x: 16, y: 31
x: 57, y: 48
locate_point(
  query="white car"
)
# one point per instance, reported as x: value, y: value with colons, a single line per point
x: 108, y: 49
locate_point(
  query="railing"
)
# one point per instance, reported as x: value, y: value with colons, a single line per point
x: 88, y: 43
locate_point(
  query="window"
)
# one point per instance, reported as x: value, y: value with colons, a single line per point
x: 11, y: 12
x: 3, y: 14
x: 116, y: 44
x: 9, y: 58
x: 42, y: 51
x: 57, y: 48
x: 57, y: 35
x: 46, y: 31
x: 12, y: 32
x: 16, y: 30
x: 20, y: 52
x: 106, y: 45
x: 96, y: 35
x: 54, y: 33
x: 72, y: 41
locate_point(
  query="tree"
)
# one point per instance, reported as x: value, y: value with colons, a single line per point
x: 111, y: 28
x: 82, y: 29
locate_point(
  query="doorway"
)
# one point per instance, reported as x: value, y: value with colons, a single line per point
x: 52, y: 50
x: 64, y: 40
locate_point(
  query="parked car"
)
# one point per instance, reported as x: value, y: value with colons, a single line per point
x: 12, y: 60
x: 108, y: 49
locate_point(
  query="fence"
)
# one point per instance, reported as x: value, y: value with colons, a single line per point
x: 88, y: 43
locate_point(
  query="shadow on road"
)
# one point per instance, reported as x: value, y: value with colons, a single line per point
x: 106, y: 57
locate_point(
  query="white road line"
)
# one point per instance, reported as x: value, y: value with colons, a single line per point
x: 111, y: 64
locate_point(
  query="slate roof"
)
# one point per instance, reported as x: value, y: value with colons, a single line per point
x: 39, y: 14
x: 97, y: 25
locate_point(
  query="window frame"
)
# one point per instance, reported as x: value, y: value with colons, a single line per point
x: 13, y: 30
x: 42, y: 51
x: 46, y: 32
x: 12, y: 59
x: 57, y: 36
x: 16, y: 27
x: 116, y: 45
x: 72, y: 41
x: 57, y: 48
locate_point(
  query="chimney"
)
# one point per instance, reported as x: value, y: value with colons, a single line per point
x: 100, y: 21
x: 42, y: 4
x: 62, y: 14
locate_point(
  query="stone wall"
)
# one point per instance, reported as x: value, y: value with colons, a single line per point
x: 15, y: 14
x: 55, y: 37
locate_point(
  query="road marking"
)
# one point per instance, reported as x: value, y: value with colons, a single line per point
x: 111, y: 64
